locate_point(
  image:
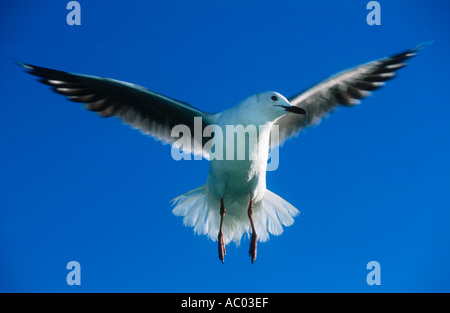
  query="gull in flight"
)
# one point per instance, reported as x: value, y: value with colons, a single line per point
x: 234, y: 201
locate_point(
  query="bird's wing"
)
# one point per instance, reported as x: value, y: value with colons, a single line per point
x: 345, y: 88
x: 152, y: 113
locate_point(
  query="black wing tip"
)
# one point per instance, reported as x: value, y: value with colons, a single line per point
x: 411, y: 52
x: 31, y: 69
x: 47, y: 75
x: 422, y: 45
x: 397, y: 61
x: 24, y: 65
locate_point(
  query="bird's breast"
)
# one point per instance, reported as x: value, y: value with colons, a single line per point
x: 239, y: 162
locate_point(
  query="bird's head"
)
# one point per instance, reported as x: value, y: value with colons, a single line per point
x: 274, y: 105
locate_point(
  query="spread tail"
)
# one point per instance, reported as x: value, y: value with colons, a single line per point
x: 200, y: 209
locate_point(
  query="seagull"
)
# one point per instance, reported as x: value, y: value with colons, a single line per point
x: 234, y: 201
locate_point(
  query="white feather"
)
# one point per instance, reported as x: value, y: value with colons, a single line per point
x: 200, y: 209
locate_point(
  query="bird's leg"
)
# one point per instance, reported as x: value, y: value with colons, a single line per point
x: 254, y: 239
x: 222, y: 251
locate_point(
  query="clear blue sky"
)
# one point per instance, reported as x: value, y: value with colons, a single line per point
x: 371, y: 182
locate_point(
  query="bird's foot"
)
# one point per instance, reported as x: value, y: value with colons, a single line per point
x: 222, y: 250
x: 252, y: 251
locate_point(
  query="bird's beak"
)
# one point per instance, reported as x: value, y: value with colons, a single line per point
x: 293, y: 109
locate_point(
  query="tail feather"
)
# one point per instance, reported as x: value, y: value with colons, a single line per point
x: 285, y: 211
x: 200, y: 210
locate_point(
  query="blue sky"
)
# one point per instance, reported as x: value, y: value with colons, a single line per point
x: 371, y: 182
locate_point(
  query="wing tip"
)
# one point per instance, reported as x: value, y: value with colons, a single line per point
x: 396, y: 59
x: 422, y: 45
x: 415, y: 51
x: 23, y: 65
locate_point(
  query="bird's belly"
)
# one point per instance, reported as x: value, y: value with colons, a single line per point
x: 237, y: 178
x: 238, y: 169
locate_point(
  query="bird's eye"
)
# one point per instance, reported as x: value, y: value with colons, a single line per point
x: 274, y: 98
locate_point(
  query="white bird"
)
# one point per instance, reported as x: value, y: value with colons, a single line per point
x: 234, y: 201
